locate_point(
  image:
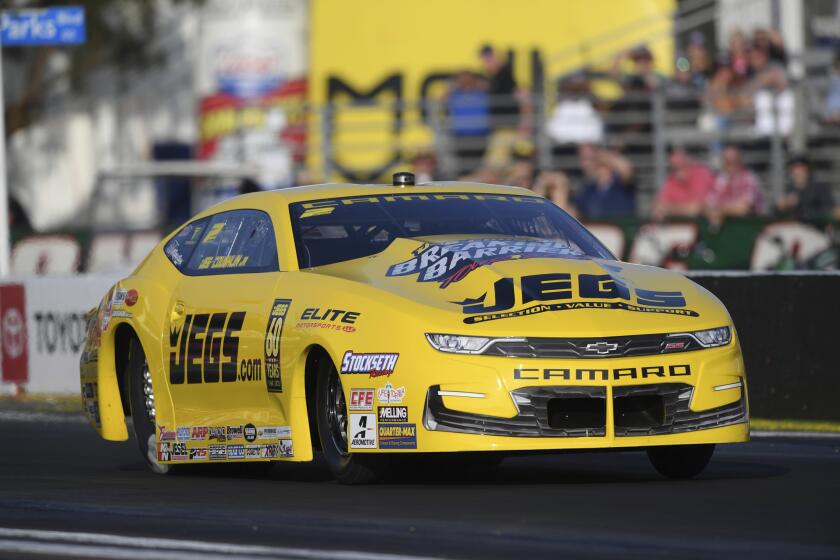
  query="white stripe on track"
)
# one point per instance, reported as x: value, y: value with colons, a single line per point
x: 90, y: 545
x: 793, y: 434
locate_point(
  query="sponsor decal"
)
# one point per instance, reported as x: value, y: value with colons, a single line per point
x: 361, y: 399
x: 223, y: 261
x: 179, y: 451
x: 167, y: 435
x: 391, y: 395
x: 675, y: 345
x: 62, y: 332
x: 333, y: 319
x: 216, y: 433
x: 273, y: 334
x: 234, y: 432
x: 375, y: 365
x: 270, y: 450
x: 205, y: 349
x: 90, y: 403
x: 552, y: 287
x: 131, y: 298
x: 164, y: 452
x: 183, y: 433
x: 398, y: 436
x: 601, y: 374
x: 274, y: 432
x: 250, y: 432
x: 452, y: 261
x: 121, y: 314
x: 105, y: 312
x: 199, y: 433
x: 235, y: 451
x: 253, y: 451
x: 198, y: 454
x: 14, y: 350
x: 217, y: 451
x: 285, y: 449
x: 118, y: 299
x: 362, y: 431
x: 392, y: 414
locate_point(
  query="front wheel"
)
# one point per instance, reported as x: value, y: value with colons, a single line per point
x: 681, y: 461
x: 142, y: 402
x: 332, y: 418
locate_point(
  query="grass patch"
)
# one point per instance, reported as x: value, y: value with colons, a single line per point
x: 794, y: 425
x: 65, y: 404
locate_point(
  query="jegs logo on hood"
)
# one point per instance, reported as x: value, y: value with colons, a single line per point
x: 453, y: 260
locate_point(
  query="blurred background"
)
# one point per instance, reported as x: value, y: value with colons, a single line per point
x: 694, y: 134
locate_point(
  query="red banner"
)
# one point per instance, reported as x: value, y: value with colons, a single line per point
x: 13, y: 339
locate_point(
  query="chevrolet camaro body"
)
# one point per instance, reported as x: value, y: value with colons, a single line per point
x: 458, y: 317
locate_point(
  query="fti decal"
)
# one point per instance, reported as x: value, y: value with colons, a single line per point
x: 273, y: 333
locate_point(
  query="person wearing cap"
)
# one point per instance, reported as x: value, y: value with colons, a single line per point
x: 804, y: 198
x: 684, y: 192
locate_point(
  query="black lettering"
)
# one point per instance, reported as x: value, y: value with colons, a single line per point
x: 564, y: 373
x: 230, y: 346
x: 517, y: 373
x: 335, y: 314
x: 658, y: 371
x: 624, y: 372
x: 307, y: 313
x: 546, y: 287
x: 213, y: 347
x: 505, y: 298
x: 660, y: 299
x: 602, y: 286
x: 678, y: 370
x: 177, y: 359
x: 592, y: 374
x: 350, y: 317
x: 195, y: 349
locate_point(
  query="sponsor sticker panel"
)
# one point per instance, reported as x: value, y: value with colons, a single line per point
x: 372, y: 364
x: 362, y: 431
x: 397, y: 436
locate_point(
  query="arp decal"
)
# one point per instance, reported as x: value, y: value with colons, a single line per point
x: 391, y: 414
x: 362, y: 431
x: 273, y: 334
x: 205, y: 349
x: 332, y: 319
x: 199, y: 433
x: 375, y: 364
x: 454, y: 260
x: 398, y: 436
x: 601, y: 374
x: 553, y: 287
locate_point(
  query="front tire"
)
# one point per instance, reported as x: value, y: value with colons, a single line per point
x: 681, y: 461
x: 332, y: 419
x: 142, y: 404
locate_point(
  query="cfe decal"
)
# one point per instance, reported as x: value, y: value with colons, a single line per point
x: 375, y: 365
x: 452, y: 261
x: 550, y: 290
x: 273, y: 332
x: 205, y: 349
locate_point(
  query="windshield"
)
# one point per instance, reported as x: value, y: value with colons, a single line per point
x: 334, y: 230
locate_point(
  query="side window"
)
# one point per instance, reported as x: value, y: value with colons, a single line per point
x: 235, y: 242
x: 180, y: 248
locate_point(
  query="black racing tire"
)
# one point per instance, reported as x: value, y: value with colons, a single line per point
x: 144, y: 424
x: 331, y: 416
x: 681, y: 462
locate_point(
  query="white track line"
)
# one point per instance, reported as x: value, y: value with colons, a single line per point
x: 50, y: 417
x: 793, y: 434
x: 101, y: 545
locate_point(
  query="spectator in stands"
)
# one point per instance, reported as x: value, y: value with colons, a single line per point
x: 701, y: 63
x: 738, y: 58
x: 772, y: 99
x: 510, y: 107
x: 575, y: 119
x: 554, y: 185
x: 633, y: 110
x: 736, y: 190
x: 424, y: 165
x: 724, y: 97
x: 685, y: 190
x: 468, y: 105
x: 607, y: 189
x: 523, y: 171
x: 771, y: 42
x: 804, y: 198
x: 831, y: 111
x: 683, y: 94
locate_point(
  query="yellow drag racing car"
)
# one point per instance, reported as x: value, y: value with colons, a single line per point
x: 368, y: 321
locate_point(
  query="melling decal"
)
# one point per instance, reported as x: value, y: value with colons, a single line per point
x: 453, y: 261
x: 273, y: 332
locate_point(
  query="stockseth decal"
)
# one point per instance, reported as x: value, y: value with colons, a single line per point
x: 452, y: 261
x: 375, y: 365
x: 205, y: 349
x: 198, y: 454
x: 392, y: 414
x: 398, y: 436
x: 361, y: 399
x: 332, y: 319
x: 391, y: 395
x: 273, y: 334
x: 362, y: 431
x: 601, y: 374
x: 217, y: 452
x: 235, y: 451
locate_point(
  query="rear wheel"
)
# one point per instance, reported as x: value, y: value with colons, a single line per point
x: 332, y: 420
x: 142, y: 402
x: 680, y: 461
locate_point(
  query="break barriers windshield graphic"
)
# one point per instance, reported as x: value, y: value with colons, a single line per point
x: 452, y: 261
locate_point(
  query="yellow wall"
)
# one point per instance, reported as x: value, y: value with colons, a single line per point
x: 362, y: 42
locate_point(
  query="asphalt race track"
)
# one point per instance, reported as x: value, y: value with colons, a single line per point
x: 772, y: 498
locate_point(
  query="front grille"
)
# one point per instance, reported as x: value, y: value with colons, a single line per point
x: 635, y: 404
x: 543, y: 412
x: 604, y: 347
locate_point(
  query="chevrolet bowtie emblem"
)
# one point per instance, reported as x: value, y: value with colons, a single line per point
x: 602, y: 347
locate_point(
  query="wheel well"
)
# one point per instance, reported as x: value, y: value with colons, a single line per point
x: 313, y: 361
x: 122, y: 343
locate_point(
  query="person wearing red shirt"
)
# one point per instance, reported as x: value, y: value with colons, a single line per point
x: 685, y: 190
x: 736, y: 191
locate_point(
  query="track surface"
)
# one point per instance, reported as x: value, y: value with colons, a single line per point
x: 775, y: 497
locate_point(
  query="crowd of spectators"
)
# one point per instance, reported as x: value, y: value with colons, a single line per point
x: 491, y: 131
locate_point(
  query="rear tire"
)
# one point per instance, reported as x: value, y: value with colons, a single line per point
x: 143, y: 416
x: 332, y: 419
x: 680, y: 461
